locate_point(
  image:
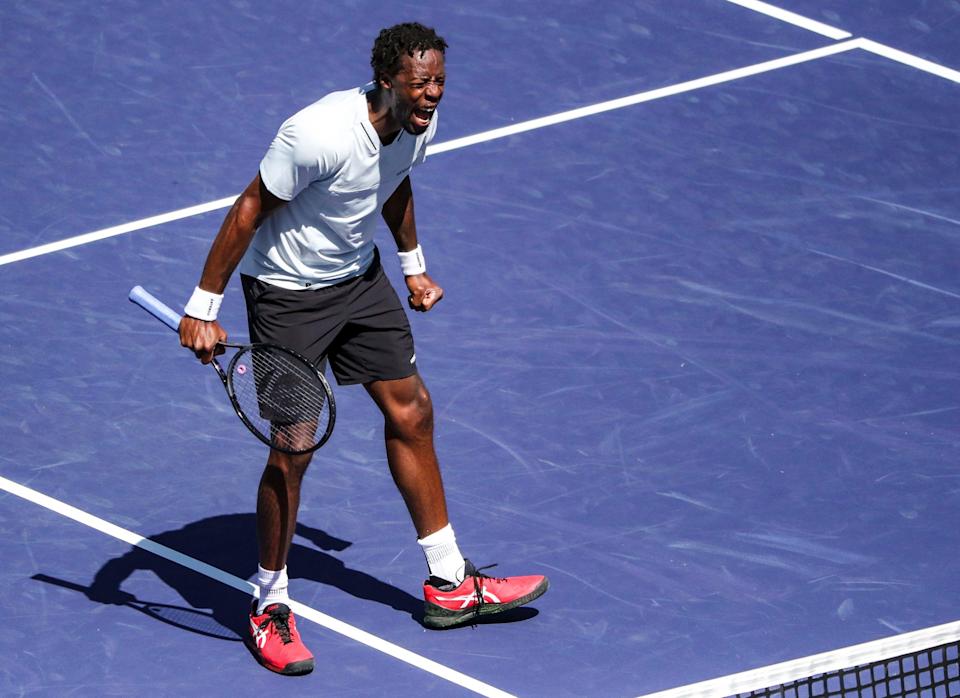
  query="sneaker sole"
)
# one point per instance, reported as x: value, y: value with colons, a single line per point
x: 437, y: 617
x: 304, y: 666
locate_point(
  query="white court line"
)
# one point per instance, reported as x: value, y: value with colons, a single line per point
x: 329, y: 622
x: 764, y: 8
x: 776, y: 674
x: 909, y: 59
x: 793, y: 18
x: 78, y: 240
x: 649, y: 96
x: 457, y: 143
x: 709, y: 689
x: 865, y: 44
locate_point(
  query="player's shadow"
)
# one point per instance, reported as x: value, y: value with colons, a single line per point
x: 228, y: 543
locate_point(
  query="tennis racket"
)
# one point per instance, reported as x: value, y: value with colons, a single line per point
x: 280, y: 396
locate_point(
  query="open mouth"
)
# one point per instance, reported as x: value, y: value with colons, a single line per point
x: 422, y: 115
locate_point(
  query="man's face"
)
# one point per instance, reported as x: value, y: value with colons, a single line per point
x: 417, y: 89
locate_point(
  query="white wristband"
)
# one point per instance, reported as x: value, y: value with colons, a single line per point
x: 412, y: 262
x: 203, y: 305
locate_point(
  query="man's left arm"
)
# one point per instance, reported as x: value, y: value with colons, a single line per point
x: 398, y: 214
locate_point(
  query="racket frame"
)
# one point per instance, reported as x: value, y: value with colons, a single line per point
x: 227, y: 378
x: 171, y: 319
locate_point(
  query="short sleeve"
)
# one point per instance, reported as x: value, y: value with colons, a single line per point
x: 295, y: 158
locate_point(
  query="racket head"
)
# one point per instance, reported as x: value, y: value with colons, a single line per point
x: 282, y: 398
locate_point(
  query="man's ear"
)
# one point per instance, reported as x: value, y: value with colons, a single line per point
x: 385, y: 81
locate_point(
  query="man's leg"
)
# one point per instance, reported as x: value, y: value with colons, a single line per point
x: 451, y: 598
x: 306, y: 321
x: 408, y: 430
x: 274, y: 639
x: 278, y: 499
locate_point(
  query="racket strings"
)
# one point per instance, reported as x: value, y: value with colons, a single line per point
x: 281, y: 396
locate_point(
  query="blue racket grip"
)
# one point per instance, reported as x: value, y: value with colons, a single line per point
x: 155, y: 307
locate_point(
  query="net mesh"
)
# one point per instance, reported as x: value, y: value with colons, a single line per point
x: 927, y: 673
x: 281, y: 397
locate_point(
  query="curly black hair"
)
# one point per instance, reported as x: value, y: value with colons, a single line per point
x: 401, y: 39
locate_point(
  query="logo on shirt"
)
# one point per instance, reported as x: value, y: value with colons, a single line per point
x: 403, y: 171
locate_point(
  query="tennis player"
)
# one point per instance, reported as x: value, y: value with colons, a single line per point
x: 302, y: 234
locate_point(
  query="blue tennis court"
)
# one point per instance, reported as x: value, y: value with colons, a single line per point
x: 696, y: 361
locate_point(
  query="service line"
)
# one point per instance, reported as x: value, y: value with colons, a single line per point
x: 329, y: 622
x: 730, y: 75
x: 862, y: 43
x: 909, y: 59
x: 513, y: 129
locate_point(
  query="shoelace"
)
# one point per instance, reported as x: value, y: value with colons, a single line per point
x: 477, y: 575
x: 281, y: 622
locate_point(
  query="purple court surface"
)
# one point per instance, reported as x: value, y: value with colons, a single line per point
x: 697, y: 359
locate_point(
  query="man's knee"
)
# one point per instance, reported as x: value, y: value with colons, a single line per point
x: 413, y: 416
x: 286, y: 467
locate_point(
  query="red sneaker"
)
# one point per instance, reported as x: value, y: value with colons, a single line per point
x: 275, y: 642
x: 478, y: 595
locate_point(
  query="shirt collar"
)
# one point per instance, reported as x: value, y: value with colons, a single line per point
x: 372, y: 137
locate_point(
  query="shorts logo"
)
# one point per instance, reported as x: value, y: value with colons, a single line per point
x: 413, y: 358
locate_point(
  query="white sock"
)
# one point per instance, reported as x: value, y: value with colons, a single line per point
x: 443, y: 556
x: 273, y: 587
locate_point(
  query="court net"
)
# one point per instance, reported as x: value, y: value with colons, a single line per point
x: 919, y: 664
x: 928, y: 673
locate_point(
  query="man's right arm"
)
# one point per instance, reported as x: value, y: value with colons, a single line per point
x: 248, y: 211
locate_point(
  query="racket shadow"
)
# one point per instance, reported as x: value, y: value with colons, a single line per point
x: 228, y: 542
x: 191, y: 619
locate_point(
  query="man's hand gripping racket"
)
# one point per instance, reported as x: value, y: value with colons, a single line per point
x: 280, y: 396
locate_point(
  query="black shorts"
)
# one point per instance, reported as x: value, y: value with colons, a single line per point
x: 358, y: 324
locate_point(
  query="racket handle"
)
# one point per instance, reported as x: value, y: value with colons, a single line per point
x: 155, y: 307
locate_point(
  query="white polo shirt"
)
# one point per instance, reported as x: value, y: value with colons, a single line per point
x: 328, y: 163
